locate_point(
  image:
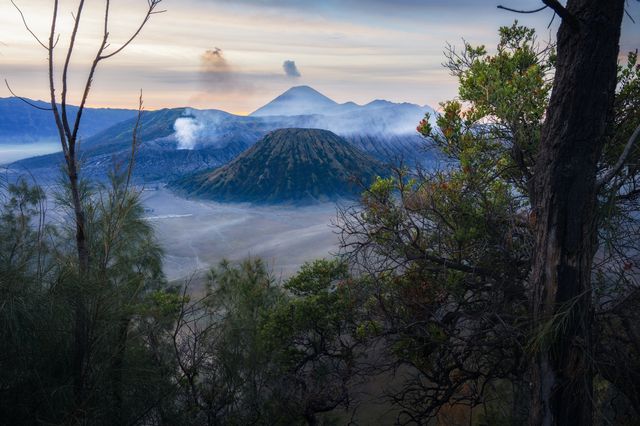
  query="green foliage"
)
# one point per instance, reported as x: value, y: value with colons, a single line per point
x: 433, y: 286
x: 124, y: 297
x: 447, y: 253
x: 494, y: 126
x: 268, y: 354
x: 449, y: 250
x: 288, y: 165
x: 20, y: 241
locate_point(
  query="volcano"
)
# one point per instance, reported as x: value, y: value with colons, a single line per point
x: 288, y: 165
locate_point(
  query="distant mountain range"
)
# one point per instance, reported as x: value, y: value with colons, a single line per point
x: 379, y: 116
x: 179, y: 141
x: 288, y: 165
x: 22, y: 123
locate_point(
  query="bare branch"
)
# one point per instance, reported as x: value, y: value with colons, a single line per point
x: 52, y: 87
x: 562, y: 12
x: 65, y: 71
x: 555, y: 5
x: 94, y: 65
x: 24, y: 21
x: 26, y: 101
x: 153, y: 4
x: 134, y: 141
x: 629, y: 15
x: 522, y: 11
x: 452, y: 264
x: 621, y: 161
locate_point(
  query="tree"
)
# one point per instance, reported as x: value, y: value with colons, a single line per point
x: 565, y: 207
x: 128, y: 304
x: 450, y: 252
x: 251, y: 351
x: 68, y: 129
x: 314, y: 342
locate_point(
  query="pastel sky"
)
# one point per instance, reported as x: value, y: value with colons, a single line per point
x: 236, y: 55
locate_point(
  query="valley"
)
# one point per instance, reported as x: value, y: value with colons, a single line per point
x: 198, y: 234
x: 10, y: 152
x: 293, y: 158
x: 225, y: 186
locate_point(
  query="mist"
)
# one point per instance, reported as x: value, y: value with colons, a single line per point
x: 198, y: 129
x: 197, y: 235
x: 10, y: 152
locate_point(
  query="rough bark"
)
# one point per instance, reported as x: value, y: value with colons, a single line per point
x: 564, y: 205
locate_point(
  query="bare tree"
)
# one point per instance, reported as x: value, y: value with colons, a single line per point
x: 68, y: 132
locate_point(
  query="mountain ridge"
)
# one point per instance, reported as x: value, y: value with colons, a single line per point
x: 305, y: 100
x: 384, y: 130
x: 22, y: 123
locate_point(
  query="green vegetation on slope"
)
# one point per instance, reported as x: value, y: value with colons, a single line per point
x: 288, y: 165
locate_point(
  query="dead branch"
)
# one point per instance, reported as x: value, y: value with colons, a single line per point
x: 26, y: 101
x: 522, y: 11
x: 26, y: 25
x: 621, y: 160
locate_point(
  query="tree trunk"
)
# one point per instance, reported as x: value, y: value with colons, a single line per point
x: 81, y: 328
x: 117, y: 369
x: 564, y: 202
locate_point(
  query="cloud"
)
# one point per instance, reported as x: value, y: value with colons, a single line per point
x: 290, y: 69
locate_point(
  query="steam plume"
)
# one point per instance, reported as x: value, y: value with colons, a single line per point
x: 187, y: 129
x: 290, y: 69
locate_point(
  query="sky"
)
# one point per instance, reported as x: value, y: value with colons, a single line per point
x: 236, y: 55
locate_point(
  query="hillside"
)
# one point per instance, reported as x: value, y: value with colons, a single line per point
x: 287, y: 165
x: 22, y: 123
x: 384, y: 130
x: 157, y: 158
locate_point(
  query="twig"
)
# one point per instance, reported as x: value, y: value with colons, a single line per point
x: 134, y: 141
x: 25, y: 100
x: 522, y: 11
x: 24, y: 21
x: 623, y: 158
x: 151, y: 11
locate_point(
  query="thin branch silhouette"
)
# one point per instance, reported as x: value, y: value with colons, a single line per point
x: 26, y: 101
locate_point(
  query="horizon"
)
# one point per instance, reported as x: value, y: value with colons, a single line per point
x: 233, y: 113
x: 237, y: 55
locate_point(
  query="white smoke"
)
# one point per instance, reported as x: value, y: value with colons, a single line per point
x: 187, y: 130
